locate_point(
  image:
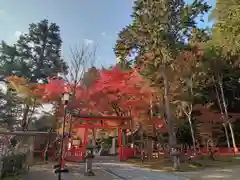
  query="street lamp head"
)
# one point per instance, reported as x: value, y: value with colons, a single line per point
x: 66, y: 97
x: 60, y: 75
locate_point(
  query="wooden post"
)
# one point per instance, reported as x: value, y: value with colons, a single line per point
x: 86, y: 136
x: 85, y: 142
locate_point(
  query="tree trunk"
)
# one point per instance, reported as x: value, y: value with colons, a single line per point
x: 192, y: 133
x: 142, y: 145
x: 94, y: 132
x: 133, y: 138
x: 24, y: 125
x: 26, y: 140
x: 31, y: 148
x: 149, y: 147
x: 170, y: 124
x: 46, y: 152
x: 25, y: 117
x: 49, y: 138
x: 233, y: 137
x: 226, y: 134
x: 223, y: 118
x: 226, y: 114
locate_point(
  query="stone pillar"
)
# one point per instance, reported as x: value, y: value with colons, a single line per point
x: 113, y: 149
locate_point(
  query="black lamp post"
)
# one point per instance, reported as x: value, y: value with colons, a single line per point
x: 65, y: 99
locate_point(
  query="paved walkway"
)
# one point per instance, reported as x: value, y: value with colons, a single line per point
x: 129, y: 172
x: 122, y: 171
x: 45, y: 172
x: 228, y: 173
x: 103, y: 171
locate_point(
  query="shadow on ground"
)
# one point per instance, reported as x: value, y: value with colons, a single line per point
x: 45, y: 172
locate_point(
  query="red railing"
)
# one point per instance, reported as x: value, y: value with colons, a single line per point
x: 75, y: 154
x: 203, y: 151
x: 126, y: 152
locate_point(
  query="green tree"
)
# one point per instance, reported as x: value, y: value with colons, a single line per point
x: 8, y: 61
x: 153, y: 41
x: 36, y: 56
x: 188, y: 77
x: 40, y: 52
x: 10, y: 109
x: 45, y: 122
x: 10, y: 103
x: 221, y: 77
x: 225, y: 44
x: 187, y: 72
x: 226, y: 31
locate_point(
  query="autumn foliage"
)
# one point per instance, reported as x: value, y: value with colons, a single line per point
x: 124, y: 91
x: 28, y: 91
x: 113, y: 92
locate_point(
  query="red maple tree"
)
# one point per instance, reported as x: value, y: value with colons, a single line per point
x: 113, y: 92
x: 126, y: 92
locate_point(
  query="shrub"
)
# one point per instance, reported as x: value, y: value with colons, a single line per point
x: 13, y: 164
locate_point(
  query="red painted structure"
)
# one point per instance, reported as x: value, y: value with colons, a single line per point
x: 99, y: 122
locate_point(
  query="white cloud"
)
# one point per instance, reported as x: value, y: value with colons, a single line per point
x: 46, y: 108
x: 14, y: 37
x: 17, y: 34
x: 103, y: 34
x: 88, y: 41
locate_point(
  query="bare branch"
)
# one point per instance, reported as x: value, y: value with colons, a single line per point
x: 82, y: 57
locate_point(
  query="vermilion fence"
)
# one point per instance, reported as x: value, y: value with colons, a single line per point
x: 75, y: 154
x: 126, y: 152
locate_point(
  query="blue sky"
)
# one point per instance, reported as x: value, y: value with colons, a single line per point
x: 80, y: 21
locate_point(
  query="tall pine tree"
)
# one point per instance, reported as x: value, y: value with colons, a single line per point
x: 40, y: 51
